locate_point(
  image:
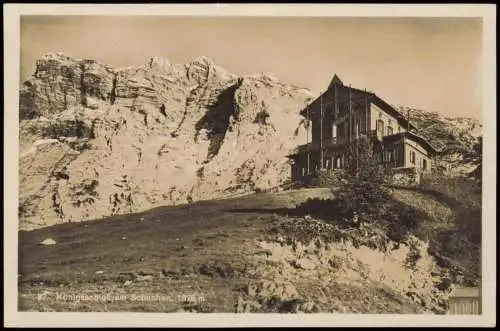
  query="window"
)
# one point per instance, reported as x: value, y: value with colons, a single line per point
x: 380, y: 126
x: 340, y: 132
x: 356, y: 132
x: 412, y: 157
x: 386, y: 156
x: 424, y: 164
x: 390, y: 131
x: 334, y: 131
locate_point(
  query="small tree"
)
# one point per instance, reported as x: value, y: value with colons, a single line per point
x: 363, y: 197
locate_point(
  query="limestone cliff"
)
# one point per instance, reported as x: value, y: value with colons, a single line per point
x: 97, y: 141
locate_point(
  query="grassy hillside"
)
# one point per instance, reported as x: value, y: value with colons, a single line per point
x: 259, y: 253
x: 457, y: 239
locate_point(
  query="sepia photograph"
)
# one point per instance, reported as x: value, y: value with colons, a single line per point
x: 251, y: 165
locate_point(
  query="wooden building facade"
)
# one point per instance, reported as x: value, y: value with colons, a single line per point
x: 342, y: 114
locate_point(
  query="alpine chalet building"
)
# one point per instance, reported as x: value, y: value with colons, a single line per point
x: 342, y: 114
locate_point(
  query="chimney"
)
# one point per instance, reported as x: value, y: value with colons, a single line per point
x: 408, y: 118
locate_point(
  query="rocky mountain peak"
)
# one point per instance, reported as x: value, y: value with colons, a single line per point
x: 56, y: 56
x: 203, y: 68
x: 157, y: 62
x: 205, y: 60
x: 101, y: 141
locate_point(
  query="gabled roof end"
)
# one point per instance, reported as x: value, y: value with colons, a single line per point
x: 336, y: 81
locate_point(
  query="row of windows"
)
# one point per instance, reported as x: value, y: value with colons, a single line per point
x: 343, y: 128
x: 389, y: 129
x: 380, y: 128
x: 388, y: 156
x: 329, y: 163
x: 393, y: 155
x: 340, y: 129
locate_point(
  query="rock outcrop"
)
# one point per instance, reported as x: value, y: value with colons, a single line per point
x: 97, y: 141
x: 456, y: 138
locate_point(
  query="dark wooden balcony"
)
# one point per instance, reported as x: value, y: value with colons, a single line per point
x: 332, y: 142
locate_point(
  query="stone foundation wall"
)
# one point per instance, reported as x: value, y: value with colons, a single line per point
x: 405, y: 177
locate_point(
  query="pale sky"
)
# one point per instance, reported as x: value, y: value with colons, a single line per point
x: 427, y: 63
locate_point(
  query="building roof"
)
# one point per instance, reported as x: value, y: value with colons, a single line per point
x: 410, y: 135
x: 466, y: 292
x: 392, y: 111
x: 336, y: 82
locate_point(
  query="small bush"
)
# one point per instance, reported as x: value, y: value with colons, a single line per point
x: 330, y: 177
x: 363, y: 200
